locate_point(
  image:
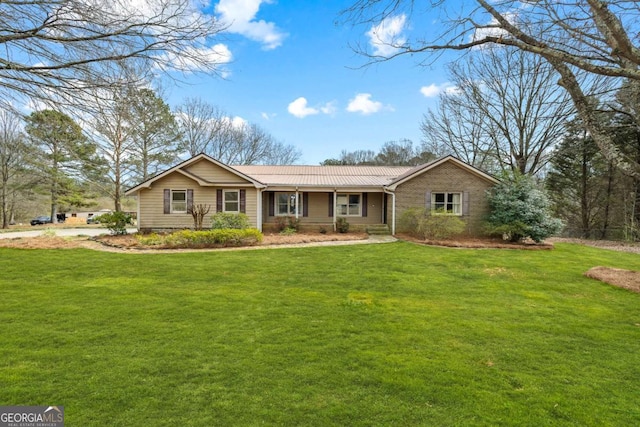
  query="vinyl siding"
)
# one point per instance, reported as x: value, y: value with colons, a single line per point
x: 447, y: 177
x: 213, y: 173
x: 319, y: 210
x: 151, y: 204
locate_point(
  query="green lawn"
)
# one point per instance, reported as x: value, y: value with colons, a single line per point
x: 373, y: 335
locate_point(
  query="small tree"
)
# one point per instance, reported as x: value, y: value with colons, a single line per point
x: 116, y: 222
x: 520, y: 209
x: 198, y: 212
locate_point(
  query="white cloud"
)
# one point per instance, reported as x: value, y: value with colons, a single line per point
x: 362, y: 103
x: 434, y: 90
x: 386, y: 36
x: 300, y: 109
x: 267, y: 116
x: 218, y: 54
x: 329, y: 108
x: 492, y: 29
x: 240, y: 16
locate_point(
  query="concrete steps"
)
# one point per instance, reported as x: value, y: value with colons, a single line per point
x: 378, y: 229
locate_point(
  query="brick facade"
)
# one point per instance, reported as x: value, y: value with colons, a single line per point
x: 447, y: 177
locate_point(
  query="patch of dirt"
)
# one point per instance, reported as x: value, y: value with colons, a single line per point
x: 626, y: 279
x: 477, y: 243
x: 45, y: 242
x: 632, y: 247
x: 129, y: 241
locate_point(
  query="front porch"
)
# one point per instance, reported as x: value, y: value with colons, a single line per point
x: 316, y: 210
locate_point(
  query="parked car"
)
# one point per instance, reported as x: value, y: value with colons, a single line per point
x: 93, y: 220
x: 39, y: 220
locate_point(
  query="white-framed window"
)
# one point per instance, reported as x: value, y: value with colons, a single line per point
x: 349, y: 204
x: 231, y: 201
x: 285, y: 204
x: 447, y: 203
x: 178, y: 201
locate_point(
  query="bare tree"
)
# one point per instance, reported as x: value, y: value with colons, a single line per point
x: 208, y: 129
x: 54, y: 50
x: 454, y: 128
x: 594, y: 36
x: 250, y: 144
x: 392, y: 153
x: 201, y: 124
x: 505, y: 110
x: 112, y: 133
x: 12, y: 158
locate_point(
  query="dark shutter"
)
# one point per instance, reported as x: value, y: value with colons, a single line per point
x: 219, y: 200
x: 243, y: 201
x: 167, y: 201
x: 272, y: 203
x: 364, y: 204
x: 331, y: 205
x: 189, y: 200
x: 465, y: 203
x: 427, y: 200
x: 305, y: 204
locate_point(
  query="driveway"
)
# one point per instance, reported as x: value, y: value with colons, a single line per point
x: 62, y: 232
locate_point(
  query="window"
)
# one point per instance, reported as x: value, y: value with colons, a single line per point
x: 178, y: 201
x: 348, y: 204
x: 231, y: 201
x: 450, y: 203
x: 286, y: 204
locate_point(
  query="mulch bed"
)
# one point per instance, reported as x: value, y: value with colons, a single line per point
x: 129, y: 241
x: 626, y: 279
x: 478, y: 243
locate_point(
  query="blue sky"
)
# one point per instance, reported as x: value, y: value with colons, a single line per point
x: 293, y: 72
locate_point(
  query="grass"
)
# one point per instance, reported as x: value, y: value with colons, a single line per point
x: 394, y: 334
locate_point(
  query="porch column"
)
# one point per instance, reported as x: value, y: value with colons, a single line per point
x: 259, y: 213
x: 393, y: 213
x: 335, y: 209
x: 297, y: 203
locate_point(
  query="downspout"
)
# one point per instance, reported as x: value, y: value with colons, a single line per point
x: 393, y: 210
x: 138, y: 210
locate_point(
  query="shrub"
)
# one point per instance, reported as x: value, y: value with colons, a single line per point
x: 224, y: 220
x: 342, y: 225
x: 284, y: 222
x: 423, y: 224
x: 213, y: 238
x: 410, y: 219
x: 152, y: 239
x: 288, y: 231
x: 116, y: 222
x: 519, y: 209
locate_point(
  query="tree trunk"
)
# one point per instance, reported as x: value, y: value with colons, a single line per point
x: 607, y: 205
x: 3, y: 201
x: 584, y: 202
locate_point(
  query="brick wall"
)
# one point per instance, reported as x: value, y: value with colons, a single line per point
x: 448, y: 177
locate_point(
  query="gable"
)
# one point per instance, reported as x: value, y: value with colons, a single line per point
x: 448, y: 163
x: 213, y: 173
x: 447, y: 176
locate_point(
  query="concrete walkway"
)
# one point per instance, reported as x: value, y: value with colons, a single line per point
x: 61, y: 232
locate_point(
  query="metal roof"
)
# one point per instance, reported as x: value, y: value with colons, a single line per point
x: 324, y: 176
